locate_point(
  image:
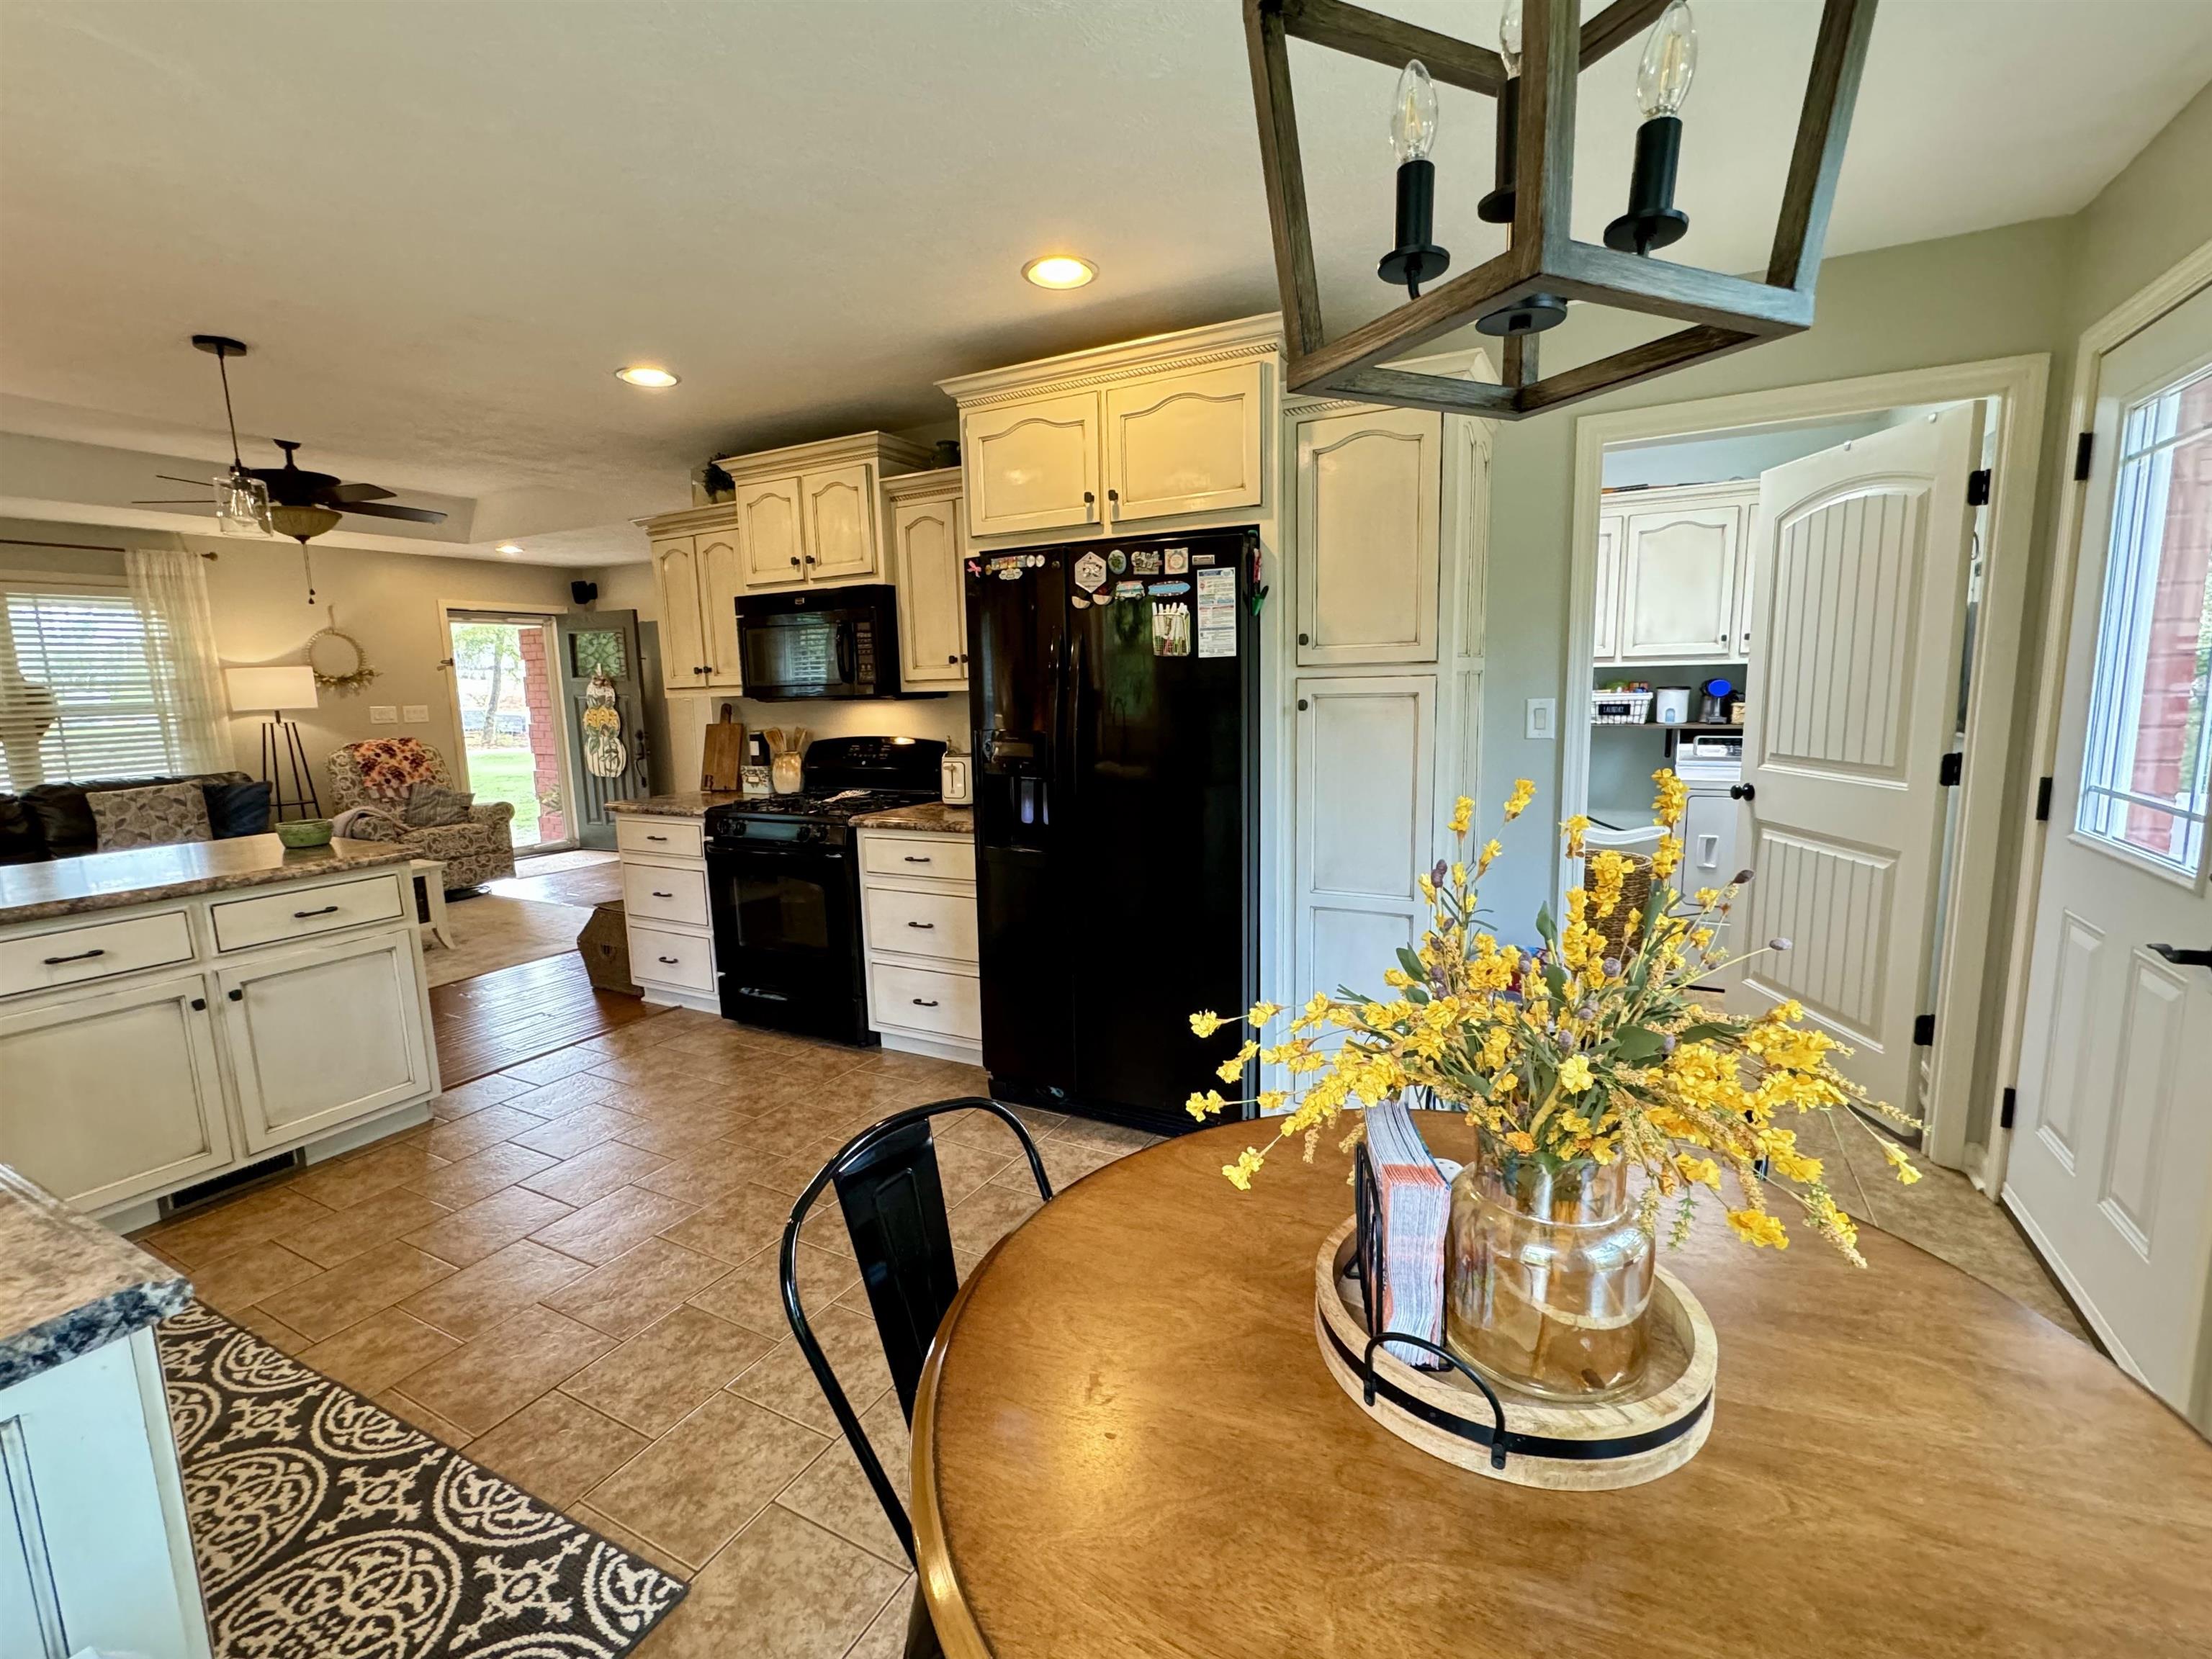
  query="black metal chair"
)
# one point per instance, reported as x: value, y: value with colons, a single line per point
x: 894, y: 1203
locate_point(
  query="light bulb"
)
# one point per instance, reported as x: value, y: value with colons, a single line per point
x: 1413, y: 114
x: 1670, y: 62
x: 1509, y: 37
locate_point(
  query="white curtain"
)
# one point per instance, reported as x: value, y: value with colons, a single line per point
x: 170, y: 587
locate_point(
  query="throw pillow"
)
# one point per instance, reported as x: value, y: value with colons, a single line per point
x: 20, y: 842
x: 431, y: 804
x: 237, y: 809
x: 158, y: 815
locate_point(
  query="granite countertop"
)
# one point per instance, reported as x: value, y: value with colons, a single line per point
x: 684, y: 803
x: 68, y: 1285
x: 933, y: 816
x: 102, y: 881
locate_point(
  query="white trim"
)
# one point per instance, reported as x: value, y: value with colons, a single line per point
x: 2128, y: 318
x: 2018, y: 387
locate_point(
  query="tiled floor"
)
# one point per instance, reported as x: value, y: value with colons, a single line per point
x: 571, y: 1271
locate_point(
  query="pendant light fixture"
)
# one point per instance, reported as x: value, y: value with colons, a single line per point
x: 1542, y: 48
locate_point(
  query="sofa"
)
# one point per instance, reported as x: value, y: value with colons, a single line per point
x: 55, y: 820
x: 377, y: 777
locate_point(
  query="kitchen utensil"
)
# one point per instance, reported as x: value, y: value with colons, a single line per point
x: 722, y: 763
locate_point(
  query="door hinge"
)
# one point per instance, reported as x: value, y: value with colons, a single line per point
x: 1952, y: 767
x: 1977, y: 487
x: 2043, y: 801
x: 2008, y: 1102
x: 2085, y: 445
x: 1923, y: 1031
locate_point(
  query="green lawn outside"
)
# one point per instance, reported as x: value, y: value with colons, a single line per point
x: 506, y: 775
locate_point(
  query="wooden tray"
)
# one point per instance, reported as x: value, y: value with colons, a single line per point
x: 1572, y: 1448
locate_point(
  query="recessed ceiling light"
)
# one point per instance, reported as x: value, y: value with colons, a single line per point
x: 510, y: 548
x: 645, y: 374
x: 1059, y: 271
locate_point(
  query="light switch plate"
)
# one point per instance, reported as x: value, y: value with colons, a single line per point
x: 383, y: 713
x: 1543, y: 719
x: 416, y: 713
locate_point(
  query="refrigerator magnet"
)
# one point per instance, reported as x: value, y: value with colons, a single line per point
x: 1177, y: 561
x: 1129, y: 591
x: 1079, y: 602
x: 1201, y: 558
x: 1089, y: 573
x: 1171, y: 631
x: 1145, y: 562
x: 1117, y: 560
x: 1166, y: 590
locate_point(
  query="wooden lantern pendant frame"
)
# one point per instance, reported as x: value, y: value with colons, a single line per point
x: 1724, y: 313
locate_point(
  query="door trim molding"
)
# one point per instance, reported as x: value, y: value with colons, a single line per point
x: 2183, y: 281
x: 2018, y: 387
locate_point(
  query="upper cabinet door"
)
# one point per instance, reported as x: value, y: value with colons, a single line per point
x: 767, y: 532
x: 1031, y: 465
x: 1605, y: 637
x: 1368, y: 490
x: 1183, y: 444
x: 683, y: 663
x: 721, y: 579
x: 838, y: 510
x: 1678, y: 584
x: 932, y: 599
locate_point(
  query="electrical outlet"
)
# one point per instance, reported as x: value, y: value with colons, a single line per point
x: 1543, y: 719
x: 383, y: 713
x: 416, y: 713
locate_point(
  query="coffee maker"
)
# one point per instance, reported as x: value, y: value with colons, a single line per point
x: 1713, y: 698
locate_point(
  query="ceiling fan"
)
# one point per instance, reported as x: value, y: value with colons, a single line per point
x: 287, y: 499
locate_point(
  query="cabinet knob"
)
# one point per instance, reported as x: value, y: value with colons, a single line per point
x: 236, y: 994
x: 1302, y: 705
x: 199, y: 1005
x: 1305, y: 639
x: 810, y: 558
x: 794, y: 560
x: 963, y: 656
x: 951, y: 657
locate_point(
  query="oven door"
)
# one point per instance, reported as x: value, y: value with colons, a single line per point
x: 787, y: 934
x: 806, y: 654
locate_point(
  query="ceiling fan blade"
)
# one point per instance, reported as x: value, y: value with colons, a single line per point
x: 359, y: 492
x: 380, y: 510
x: 171, y: 477
x: 189, y: 501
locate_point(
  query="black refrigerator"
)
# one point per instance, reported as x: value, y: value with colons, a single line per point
x: 1116, y: 820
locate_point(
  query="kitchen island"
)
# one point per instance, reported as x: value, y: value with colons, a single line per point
x: 94, y: 1555
x: 172, y: 1015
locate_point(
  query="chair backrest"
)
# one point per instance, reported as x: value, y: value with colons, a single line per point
x: 894, y: 1206
x: 354, y: 769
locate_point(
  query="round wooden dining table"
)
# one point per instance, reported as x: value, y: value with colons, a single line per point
x: 1125, y: 1444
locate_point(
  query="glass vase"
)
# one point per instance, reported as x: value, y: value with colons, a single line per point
x: 1547, y: 1277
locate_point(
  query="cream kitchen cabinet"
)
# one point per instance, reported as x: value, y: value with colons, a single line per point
x: 666, y: 907
x: 768, y: 530
x: 1365, y: 540
x: 1173, y: 430
x: 918, y: 920
x: 810, y: 514
x: 1673, y: 574
x: 927, y: 546
x: 698, y: 578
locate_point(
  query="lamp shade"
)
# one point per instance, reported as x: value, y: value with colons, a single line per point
x: 287, y: 686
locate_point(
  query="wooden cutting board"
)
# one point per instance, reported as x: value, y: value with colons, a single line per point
x: 725, y: 754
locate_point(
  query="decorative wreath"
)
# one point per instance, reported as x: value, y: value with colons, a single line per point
x: 361, y: 673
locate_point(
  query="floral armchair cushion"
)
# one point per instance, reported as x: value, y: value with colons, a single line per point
x: 382, y: 774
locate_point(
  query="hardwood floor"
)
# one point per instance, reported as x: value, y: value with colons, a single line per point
x: 501, y: 1019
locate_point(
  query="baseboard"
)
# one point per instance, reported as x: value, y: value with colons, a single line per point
x: 913, y: 1043
x: 664, y: 996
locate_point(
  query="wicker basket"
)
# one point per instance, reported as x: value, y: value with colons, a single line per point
x: 1620, y: 708
x: 1635, y: 892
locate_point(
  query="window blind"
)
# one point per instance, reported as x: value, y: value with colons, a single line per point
x: 78, y: 695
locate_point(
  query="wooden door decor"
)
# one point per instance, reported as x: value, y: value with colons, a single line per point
x: 605, y: 755
x: 1519, y: 293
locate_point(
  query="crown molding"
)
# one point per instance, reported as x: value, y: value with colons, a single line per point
x: 939, y: 484
x: 1245, y: 338
x: 887, y: 453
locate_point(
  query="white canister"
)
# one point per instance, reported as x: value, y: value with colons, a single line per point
x: 1671, y: 704
x: 955, y: 786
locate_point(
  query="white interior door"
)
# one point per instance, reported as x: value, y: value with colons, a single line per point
x: 1365, y: 818
x: 2110, y: 1166
x: 1860, y: 577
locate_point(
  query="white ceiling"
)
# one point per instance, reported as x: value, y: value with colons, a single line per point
x: 442, y: 227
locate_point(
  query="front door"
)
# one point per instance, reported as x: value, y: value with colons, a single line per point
x: 603, y: 694
x: 1860, y: 579
x: 2110, y: 1164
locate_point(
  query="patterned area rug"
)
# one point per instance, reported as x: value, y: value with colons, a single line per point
x: 326, y: 1529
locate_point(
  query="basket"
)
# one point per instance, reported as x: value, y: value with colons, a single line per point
x: 605, y: 946
x: 1620, y: 707
x: 1635, y: 892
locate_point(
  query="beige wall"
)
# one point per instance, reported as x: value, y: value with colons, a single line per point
x: 388, y: 601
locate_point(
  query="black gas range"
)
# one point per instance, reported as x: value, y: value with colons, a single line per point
x: 783, y: 881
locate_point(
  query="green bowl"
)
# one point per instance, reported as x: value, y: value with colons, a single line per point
x: 305, y: 832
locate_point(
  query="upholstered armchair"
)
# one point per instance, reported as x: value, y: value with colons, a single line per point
x: 378, y: 775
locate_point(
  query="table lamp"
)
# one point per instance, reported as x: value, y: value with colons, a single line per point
x: 275, y: 689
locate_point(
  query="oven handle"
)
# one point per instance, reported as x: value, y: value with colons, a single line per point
x: 754, y: 849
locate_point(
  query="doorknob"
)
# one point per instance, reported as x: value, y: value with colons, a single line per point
x: 1743, y: 792
x: 2183, y: 958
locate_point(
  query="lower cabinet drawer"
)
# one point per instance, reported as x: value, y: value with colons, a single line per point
x: 69, y: 956
x: 906, y: 923
x: 919, y: 1000
x: 665, y: 893
x: 658, y: 837
x: 659, y: 957
x: 900, y: 853
x: 301, y: 913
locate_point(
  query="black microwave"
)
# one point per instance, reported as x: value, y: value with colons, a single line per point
x: 820, y: 643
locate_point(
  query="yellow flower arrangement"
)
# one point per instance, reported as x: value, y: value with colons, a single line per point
x: 1579, y: 1050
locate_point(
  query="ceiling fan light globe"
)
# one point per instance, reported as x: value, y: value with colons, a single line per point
x: 301, y: 524
x: 242, y: 505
